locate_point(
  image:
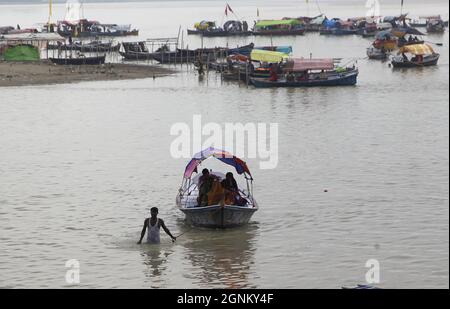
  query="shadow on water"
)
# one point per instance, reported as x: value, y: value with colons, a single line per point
x: 222, y: 258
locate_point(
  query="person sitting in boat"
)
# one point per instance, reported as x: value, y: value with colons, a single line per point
x: 290, y: 77
x: 323, y: 75
x: 205, y: 184
x: 273, y: 73
x: 154, y: 224
x: 304, y: 76
x: 405, y: 58
x: 245, y: 26
x: 232, y: 195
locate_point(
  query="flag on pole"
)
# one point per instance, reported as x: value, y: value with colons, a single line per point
x: 50, y: 10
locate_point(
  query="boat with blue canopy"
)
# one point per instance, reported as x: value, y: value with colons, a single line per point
x: 205, y: 199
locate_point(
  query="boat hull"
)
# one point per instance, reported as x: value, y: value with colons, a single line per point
x: 218, y: 216
x: 136, y: 55
x: 347, y: 79
x: 376, y: 54
x: 428, y: 61
x: 219, y: 33
x: 280, y: 32
x: 79, y: 61
x: 102, y: 48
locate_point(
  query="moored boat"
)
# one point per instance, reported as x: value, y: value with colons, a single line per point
x: 79, y: 60
x: 422, y: 55
x: 230, y: 28
x: 435, y: 26
x: 90, y: 47
x: 385, y: 40
x: 214, y: 205
x: 309, y: 73
x: 376, y: 54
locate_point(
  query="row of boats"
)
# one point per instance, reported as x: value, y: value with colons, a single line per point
x: 365, y: 26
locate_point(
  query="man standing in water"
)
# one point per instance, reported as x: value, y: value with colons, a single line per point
x: 154, y: 224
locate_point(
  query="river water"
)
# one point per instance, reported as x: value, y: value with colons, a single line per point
x: 363, y: 172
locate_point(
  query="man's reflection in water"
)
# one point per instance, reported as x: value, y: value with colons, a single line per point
x: 224, y: 258
x: 155, y: 257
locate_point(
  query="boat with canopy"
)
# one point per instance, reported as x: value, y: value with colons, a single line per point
x: 435, y: 25
x: 422, y: 55
x: 221, y: 208
x: 385, y: 40
x: 309, y: 73
x: 232, y: 27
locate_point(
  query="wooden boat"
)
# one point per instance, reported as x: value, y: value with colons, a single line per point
x: 385, y: 40
x: 338, y: 31
x: 341, y: 79
x: 368, y: 34
x: 184, y: 56
x: 376, y: 54
x: 219, y: 33
x: 243, y: 50
x: 91, y: 47
x: 428, y: 60
x: 423, y: 56
x: 79, y: 61
x: 86, y: 28
x: 435, y: 26
x: 310, y: 73
x: 220, y: 214
x: 230, y: 28
x: 132, y: 55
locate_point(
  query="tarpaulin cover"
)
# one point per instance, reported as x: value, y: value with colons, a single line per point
x: 280, y: 49
x: 302, y: 65
x: 331, y: 23
x: 267, y: 56
x: 417, y: 49
x: 225, y: 157
x: 384, y: 35
x: 21, y: 53
x: 271, y: 23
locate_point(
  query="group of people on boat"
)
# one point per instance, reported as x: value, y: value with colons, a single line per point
x: 213, y: 190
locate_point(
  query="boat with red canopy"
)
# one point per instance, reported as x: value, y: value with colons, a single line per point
x: 219, y: 207
x: 309, y: 73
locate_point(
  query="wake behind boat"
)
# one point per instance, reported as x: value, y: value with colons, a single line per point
x: 208, y: 201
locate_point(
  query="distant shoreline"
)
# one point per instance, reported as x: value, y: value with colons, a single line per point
x: 13, y: 74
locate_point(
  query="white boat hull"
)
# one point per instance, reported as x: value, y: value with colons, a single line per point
x: 218, y: 216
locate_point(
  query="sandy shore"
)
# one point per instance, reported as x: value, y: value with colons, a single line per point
x: 45, y: 73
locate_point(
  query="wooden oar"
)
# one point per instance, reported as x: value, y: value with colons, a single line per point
x: 438, y: 44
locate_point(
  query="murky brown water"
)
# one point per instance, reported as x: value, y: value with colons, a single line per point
x: 80, y: 165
